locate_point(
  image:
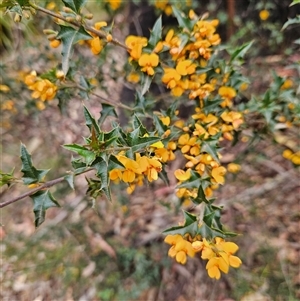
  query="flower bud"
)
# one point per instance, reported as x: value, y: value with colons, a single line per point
x: 68, y: 10
x: 89, y: 16
x: 17, y: 18
x: 109, y: 38
x: 78, y: 18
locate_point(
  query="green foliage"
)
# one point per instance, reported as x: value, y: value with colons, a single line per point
x: 31, y: 175
x: 70, y: 36
x: 42, y: 200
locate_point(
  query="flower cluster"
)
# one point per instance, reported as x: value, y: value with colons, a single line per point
x: 217, y: 251
x: 134, y: 171
x: 43, y: 89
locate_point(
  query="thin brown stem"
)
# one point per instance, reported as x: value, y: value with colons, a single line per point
x: 34, y: 190
x: 88, y: 28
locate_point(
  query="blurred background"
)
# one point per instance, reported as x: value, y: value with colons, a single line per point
x: 96, y: 250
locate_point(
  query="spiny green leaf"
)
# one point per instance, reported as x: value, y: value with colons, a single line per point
x: 209, y: 146
x: 30, y: 173
x: 88, y: 155
x: 102, y: 173
x: 189, y: 218
x: 139, y: 143
x: 107, y: 110
x: 69, y: 36
x: 138, y: 124
x: 183, y: 21
x: 156, y: 32
x: 90, y: 120
x: 42, y: 200
x: 240, y: 52
x: 182, y: 230
x: 75, y: 5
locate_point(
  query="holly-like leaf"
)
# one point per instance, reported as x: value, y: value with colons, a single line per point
x: 138, y: 143
x: 240, y: 52
x: 90, y: 120
x: 107, y: 110
x: 30, y: 173
x: 42, y: 200
x: 155, y: 34
x: 69, y: 36
x: 182, y: 19
x: 88, y: 155
x: 210, y: 146
x: 75, y: 5
x: 102, y: 173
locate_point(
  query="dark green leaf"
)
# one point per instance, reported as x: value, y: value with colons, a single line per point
x: 90, y: 121
x: 69, y: 36
x: 30, y: 173
x: 138, y: 143
x: 75, y: 5
x: 102, y: 173
x: 158, y: 125
x: 240, y: 52
x: 182, y: 19
x: 107, y: 110
x: 42, y: 200
x: 88, y: 155
x: 189, y: 218
x: 155, y: 34
x: 209, y: 146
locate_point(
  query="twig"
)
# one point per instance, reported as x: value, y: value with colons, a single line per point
x: 99, y: 33
x: 41, y: 187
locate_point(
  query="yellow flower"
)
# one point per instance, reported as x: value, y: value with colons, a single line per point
x: 8, y: 105
x: 114, y: 4
x: 264, y: 15
x: 218, y: 174
x: 127, y: 174
x: 133, y: 77
x: 288, y: 83
x: 135, y: 45
x: 147, y: 61
x: 150, y: 167
x: 182, y: 175
x: 55, y: 43
x: 170, y: 77
x: 227, y: 92
x: 232, y: 167
x: 4, y: 88
x: 185, y: 67
x: 96, y: 45
x: 189, y: 144
x: 180, y: 248
x: 42, y: 88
